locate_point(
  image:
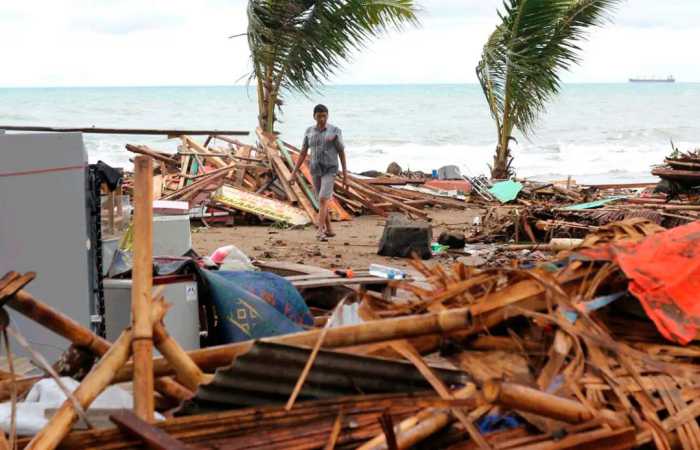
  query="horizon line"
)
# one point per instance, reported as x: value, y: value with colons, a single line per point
x: 320, y: 87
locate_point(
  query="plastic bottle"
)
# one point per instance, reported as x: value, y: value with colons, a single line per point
x: 389, y: 273
x: 232, y: 258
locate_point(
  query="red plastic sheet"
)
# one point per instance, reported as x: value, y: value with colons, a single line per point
x: 664, y: 273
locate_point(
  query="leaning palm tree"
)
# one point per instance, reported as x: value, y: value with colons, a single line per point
x: 521, y: 61
x: 297, y: 44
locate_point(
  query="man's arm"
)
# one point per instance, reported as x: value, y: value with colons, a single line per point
x: 340, y: 147
x: 302, y: 158
x: 344, y: 165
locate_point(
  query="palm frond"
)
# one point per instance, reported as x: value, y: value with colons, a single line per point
x: 297, y: 44
x: 521, y: 62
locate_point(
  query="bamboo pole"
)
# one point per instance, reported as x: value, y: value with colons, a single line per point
x: 188, y: 373
x: 93, y: 384
x: 24, y: 303
x: 171, y: 388
x: 4, y: 443
x: 523, y: 398
x: 141, y: 288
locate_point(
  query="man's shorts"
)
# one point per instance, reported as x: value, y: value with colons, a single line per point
x: 323, y: 185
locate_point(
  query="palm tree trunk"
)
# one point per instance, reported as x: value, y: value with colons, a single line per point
x: 271, y: 101
x: 261, y: 103
x: 267, y: 99
x: 502, y: 156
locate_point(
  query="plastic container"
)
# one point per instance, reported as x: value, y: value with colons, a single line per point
x: 390, y: 273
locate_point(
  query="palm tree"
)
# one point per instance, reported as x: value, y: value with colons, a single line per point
x: 521, y: 61
x: 296, y: 44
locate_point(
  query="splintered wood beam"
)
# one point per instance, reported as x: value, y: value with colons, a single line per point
x: 138, y: 131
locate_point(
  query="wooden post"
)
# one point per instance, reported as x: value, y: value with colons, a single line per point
x: 93, y: 384
x: 141, y: 287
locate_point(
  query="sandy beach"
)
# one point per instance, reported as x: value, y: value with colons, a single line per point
x: 355, y: 245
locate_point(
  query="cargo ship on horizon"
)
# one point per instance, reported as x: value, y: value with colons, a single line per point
x: 668, y: 79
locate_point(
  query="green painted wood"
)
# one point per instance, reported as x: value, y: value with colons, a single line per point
x: 300, y: 178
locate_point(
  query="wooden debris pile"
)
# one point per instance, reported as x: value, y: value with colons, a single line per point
x: 565, y: 350
x: 681, y: 171
x: 560, y: 356
x: 538, y: 225
x: 542, y: 212
x: 228, y: 177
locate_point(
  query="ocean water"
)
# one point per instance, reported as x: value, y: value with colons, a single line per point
x: 593, y: 132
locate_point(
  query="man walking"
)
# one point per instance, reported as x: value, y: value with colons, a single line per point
x: 327, y: 146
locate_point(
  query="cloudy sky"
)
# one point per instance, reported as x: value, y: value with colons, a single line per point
x: 184, y: 42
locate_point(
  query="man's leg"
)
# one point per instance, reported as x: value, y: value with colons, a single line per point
x: 317, y: 181
x: 327, y: 185
x: 329, y: 230
x: 323, y: 215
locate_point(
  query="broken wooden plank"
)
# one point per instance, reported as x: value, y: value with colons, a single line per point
x: 301, y: 177
x: 270, y: 145
x: 143, y: 150
x: 190, y: 143
x: 12, y: 283
x: 154, y: 438
x: 262, y: 206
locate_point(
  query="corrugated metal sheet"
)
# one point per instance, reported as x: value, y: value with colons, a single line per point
x: 267, y: 375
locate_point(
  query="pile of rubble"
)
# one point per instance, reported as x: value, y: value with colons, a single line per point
x: 681, y: 173
x: 226, y: 178
x: 585, y: 350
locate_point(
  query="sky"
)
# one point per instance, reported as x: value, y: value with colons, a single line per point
x: 185, y: 42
